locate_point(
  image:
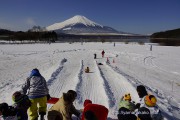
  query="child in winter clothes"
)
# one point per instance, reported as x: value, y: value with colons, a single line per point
x: 22, y: 103
x: 100, y: 112
x: 103, y: 53
x: 64, y: 108
x: 149, y: 101
x: 8, y: 112
x: 125, y: 102
x: 37, y: 93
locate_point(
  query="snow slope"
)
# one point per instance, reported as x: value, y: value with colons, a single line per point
x: 72, y: 21
x: 63, y: 65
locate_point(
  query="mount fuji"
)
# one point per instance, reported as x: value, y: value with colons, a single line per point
x: 81, y: 25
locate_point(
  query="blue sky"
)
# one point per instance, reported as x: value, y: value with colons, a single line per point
x: 135, y: 16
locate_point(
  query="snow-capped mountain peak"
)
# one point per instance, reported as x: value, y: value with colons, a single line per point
x: 78, y: 19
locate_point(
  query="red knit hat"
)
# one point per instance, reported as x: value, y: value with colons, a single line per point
x: 87, y: 101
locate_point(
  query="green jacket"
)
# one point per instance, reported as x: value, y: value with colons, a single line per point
x: 127, y: 104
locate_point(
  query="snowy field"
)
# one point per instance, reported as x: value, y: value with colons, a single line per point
x: 63, y: 64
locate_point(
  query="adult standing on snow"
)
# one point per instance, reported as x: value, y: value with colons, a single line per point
x: 38, y: 93
x: 103, y: 53
x: 95, y: 55
x: 64, y: 108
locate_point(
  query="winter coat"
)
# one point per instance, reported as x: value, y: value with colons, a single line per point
x: 36, y: 87
x: 127, y: 104
x: 154, y: 111
x: 10, y: 113
x: 22, y: 107
x: 100, y: 111
x: 102, y: 52
x: 63, y: 110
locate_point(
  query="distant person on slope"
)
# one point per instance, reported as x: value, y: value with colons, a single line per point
x: 95, y: 55
x: 64, y: 108
x: 38, y: 94
x: 102, y: 53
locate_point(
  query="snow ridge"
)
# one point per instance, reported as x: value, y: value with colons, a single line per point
x: 109, y: 93
x: 79, y: 97
x: 163, y: 101
x: 56, y: 73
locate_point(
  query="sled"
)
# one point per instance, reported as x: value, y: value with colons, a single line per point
x: 52, y: 100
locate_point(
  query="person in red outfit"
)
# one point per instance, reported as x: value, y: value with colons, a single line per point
x: 103, y: 53
x: 100, y: 111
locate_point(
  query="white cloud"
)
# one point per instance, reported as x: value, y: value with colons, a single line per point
x: 30, y: 21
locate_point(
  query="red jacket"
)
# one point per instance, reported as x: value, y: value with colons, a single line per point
x: 100, y: 111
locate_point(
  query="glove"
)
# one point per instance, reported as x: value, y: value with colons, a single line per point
x: 48, y: 96
x: 137, y: 105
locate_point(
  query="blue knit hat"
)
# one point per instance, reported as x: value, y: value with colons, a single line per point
x: 35, y: 72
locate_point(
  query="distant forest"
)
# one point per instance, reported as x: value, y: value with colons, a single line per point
x: 170, y: 37
x: 39, y: 34
x: 36, y: 34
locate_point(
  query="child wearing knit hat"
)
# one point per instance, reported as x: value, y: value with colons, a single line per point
x: 21, y: 103
x: 125, y: 102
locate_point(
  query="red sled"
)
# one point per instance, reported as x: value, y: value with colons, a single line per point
x: 52, y: 100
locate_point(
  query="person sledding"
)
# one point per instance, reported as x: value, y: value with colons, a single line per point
x: 38, y: 94
x: 102, y: 53
x: 64, y: 108
x: 87, y: 70
x: 148, y: 101
x: 125, y: 102
x: 21, y: 104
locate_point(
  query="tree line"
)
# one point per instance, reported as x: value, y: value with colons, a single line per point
x: 35, y: 34
x: 169, y: 37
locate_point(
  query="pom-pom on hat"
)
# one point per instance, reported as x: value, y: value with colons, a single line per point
x: 127, y: 97
x: 87, y: 101
x: 17, y: 97
x: 150, y: 100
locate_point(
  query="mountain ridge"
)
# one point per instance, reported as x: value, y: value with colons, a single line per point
x: 80, y: 25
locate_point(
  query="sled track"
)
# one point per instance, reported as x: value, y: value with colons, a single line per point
x: 56, y: 73
x: 79, y: 85
x: 109, y: 93
x: 149, y: 61
x: 163, y: 100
